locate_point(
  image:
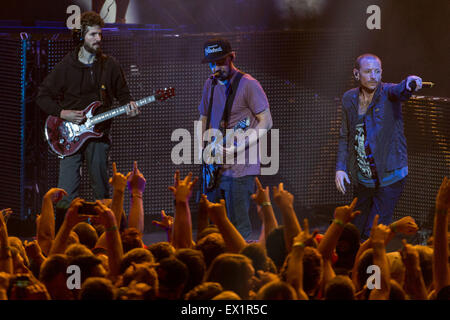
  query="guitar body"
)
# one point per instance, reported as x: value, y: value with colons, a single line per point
x: 66, y: 138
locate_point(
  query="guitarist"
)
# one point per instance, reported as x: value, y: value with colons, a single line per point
x: 83, y: 76
x: 236, y: 181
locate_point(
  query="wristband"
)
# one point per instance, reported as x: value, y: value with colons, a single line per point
x: 267, y: 203
x: 299, y: 244
x: 114, y: 227
x: 393, y: 228
x: 339, y: 222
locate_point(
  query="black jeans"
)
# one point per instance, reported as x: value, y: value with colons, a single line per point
x: 373, y: 201
x: 95, y: 152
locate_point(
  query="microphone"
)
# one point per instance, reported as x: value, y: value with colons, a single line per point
x: 216, y: 74
x: 425, y: 84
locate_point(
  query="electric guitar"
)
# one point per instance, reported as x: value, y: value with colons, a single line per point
x: 212, y: 166
x: 65, y: 138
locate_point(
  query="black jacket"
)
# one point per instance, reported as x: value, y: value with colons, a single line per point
x: 384, y: 123
x: 72, y: 85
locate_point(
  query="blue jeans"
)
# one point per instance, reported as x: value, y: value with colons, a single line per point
x: 373, y: 201
x: 236, y: 192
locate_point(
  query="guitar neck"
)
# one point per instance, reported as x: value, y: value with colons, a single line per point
x: 120, y: 110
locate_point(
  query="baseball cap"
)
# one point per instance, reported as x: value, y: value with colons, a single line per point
x: 216, y: 49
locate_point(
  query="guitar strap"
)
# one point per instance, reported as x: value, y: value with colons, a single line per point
x: 231, y: 94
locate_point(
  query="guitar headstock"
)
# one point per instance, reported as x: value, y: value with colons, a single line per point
x: 243, y: 124
x: 164, y: 94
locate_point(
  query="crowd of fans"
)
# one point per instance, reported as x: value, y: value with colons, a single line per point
x: 100, y: 254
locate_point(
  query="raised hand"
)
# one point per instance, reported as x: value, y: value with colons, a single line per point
x: 410, y: 256
x: 261, y: 195
x: 304, y: 236
x: 346, y: 213
x: 340, y: 179
x: 136, y: 180
x: 166, y: 222
x: 282, y: 198
x: 55, y: 194
x: 118, y: 181
x: 379, y: 232
x: 405, y: 225
x: 105, y: 216
x: 32, y: 249
x: 217, y: 211
x: 418, y: 81
x: 72, y: 217
x: 182, y: 190
x: 5, y: 213
x: 443, y: 196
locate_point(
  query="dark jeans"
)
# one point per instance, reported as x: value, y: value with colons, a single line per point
x: 236, y: 192
x: 95, y: 152
x: 373, y: 201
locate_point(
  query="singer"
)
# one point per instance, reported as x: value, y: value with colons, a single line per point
x: 372, y: 145
x: 229, y: 96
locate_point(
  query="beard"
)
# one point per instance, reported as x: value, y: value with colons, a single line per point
x: 91, y: 49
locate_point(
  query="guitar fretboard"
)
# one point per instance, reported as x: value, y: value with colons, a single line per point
x: 120, y: 110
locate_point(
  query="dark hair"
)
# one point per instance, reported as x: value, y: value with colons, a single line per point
x: 54, y: 265
x: 90, y: 19
x: 137, y: 255
x: 444, y: 293
x: 346, y: 254
x: 87, y: 265
x: 232, y: 272
x: 131, y: 239
x: 96, y: 288
x: 172, y: 274
x: 312, y: 270
x: 87, y: 234
x: 365, y: 56
x: 204, y: 291
x: 396, y: 292
x: 194, y: 261
x: 277, y: 290
x: 212, y: 228
x: 276, y: 247
x: 257, y: 253
x: 426, y: 264
x: 340, y: 288
x: 211, y: 246
x: 77, y: 249
x: 161, y: 250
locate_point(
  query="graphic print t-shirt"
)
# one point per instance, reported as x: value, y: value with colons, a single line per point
x: 362, y: 150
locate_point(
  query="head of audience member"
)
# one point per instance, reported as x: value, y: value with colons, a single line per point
x: 444, y: 293
x: 234, y: 272
x: 312, y: 270
x: 53, y: 274
x: 194, y: 261
x: 397, y: 268
x: 172, y: 276
x: 227, y: 295
x: 87, y: 234
x: 347, y: 248
x: 141, y: 273
x: 161, y: 250
x: 90, y: 266
x: 260, y: 261
x: 339, y: 288
x: 212, y: 228
x: 73, y: 238
x: 76, y: 250
x: 137, y: 255
x: 131, y: 239
x: 276, y: 247
x: 97, y: 288
x: 276, y: 290
x: 204, y: 291
x: 211, y: 245
x: 17, y: 243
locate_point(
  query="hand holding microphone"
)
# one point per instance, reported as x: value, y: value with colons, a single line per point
x: 415, y: 83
